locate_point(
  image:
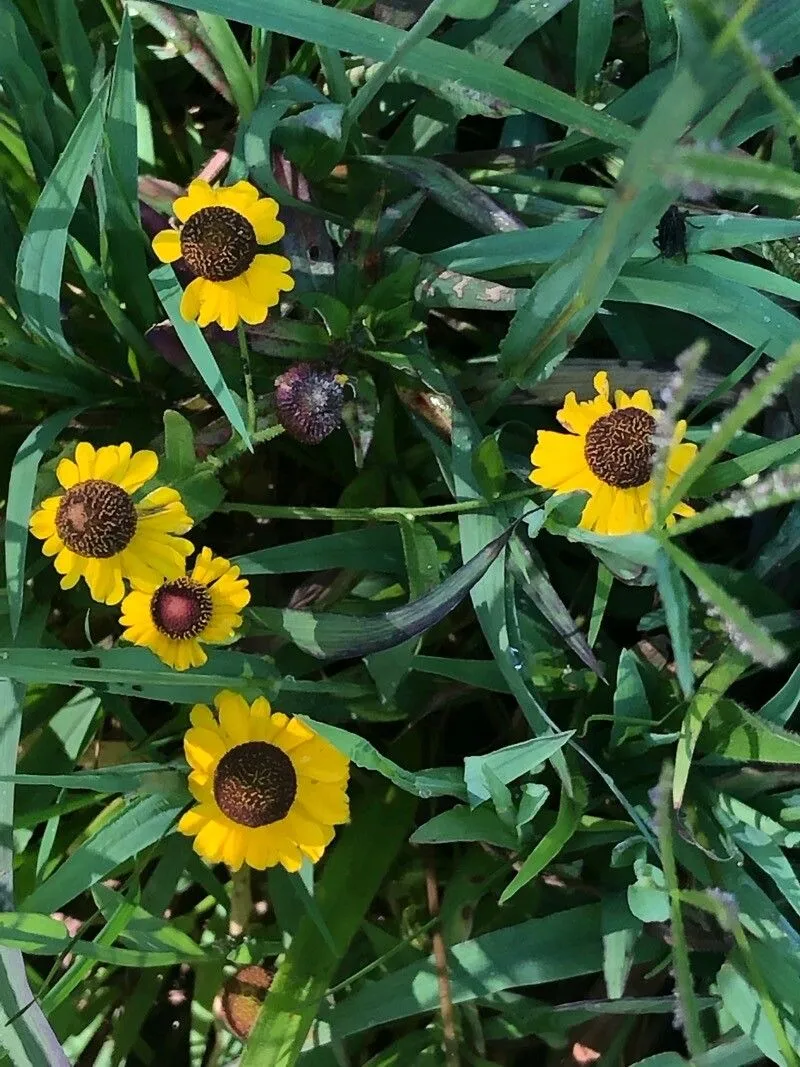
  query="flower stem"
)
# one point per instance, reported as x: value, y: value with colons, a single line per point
x: 241, y: 901
x: 244, y: 353
x: 390, y: 514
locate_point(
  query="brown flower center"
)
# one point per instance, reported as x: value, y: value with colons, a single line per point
x: 619, y: 448
x: 96, y: 519
x: 218, y: 243
x: 255, y: 784
x: 181, y: 608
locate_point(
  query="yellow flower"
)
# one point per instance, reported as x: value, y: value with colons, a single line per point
x: 268, y: 789
x: 608, y: 453
x: 176, y: 617
x: 97, y: 531
x: 218, y: 242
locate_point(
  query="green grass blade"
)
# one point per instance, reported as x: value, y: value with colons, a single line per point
x: 191, y: 337
x: 21, y: 487
x: 228, y: 53
x: 747, y: 408
x: 331, y: 636
x: 127, y: 246
x: 75, y: 53
x: 140, y: 825
x: 347, y: 32
x: 40, y: 263
x: 382, y: 818
x: 29, y: 1040
x: 595, y: 22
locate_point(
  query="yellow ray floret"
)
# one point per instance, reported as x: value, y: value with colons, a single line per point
x: 608, y: 452
x: 97, y: 531
x: 175, y: 618
x: 269, y: 790
x: 218, y: 240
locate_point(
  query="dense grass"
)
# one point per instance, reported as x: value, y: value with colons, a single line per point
x: 573, y: 788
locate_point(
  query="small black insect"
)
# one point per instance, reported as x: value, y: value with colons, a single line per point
x: 670, y: 239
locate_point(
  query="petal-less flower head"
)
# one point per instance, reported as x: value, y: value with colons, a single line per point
x: 176, y: 617
x: 269, y: 790
x: 97, y: 531
x: 242, y: 997
x: 309, y: 399
x: 608, y: 452
x: 218, y: 241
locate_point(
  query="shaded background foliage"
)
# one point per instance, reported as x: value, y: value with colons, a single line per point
x: 574, y: 791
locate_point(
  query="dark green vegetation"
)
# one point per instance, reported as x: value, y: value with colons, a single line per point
x: 575, y: 796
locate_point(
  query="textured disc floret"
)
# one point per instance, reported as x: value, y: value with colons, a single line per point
x: 218, y: 243
x: 619, y: 448
x: 181, y: 608
x: 96, y: 519
x: 309, y: 401
x: 255, y: 784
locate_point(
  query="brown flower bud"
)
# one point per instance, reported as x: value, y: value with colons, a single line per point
x: 242, y: 997
x: 309, y: 400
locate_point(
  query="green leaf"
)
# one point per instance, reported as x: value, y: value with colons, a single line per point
x: 191, y: 337
x: 536, y: 952
x: 510, y: 763
x: 434, y: 782
x: 735, y: 733
x: 228, y: 54
x: 759, y: 644
x: 21, y: 487
x: 126, y: 241
x: 728, y: 668
x: 346, y: 32
x: 471, y: 9
x: 329, y: 636
x: 40, y: 263
x: 675, y: 599
x: 567, y: 820
x: 595, y: 23
x: 306, y: 971
x: 141, y: 824
x: 463, y: 823
x: 377, y: 548
x: 29, y: 1040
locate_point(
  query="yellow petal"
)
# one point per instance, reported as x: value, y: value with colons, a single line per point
x: 84, y: 458
x: 600, y: 383
x: 199, y: 195
x: 579, y: 417
x: 250, y: 309
x: 270, y: 271
x: 680, y: 457
x: 210, y: 841
x: 621, y: 517
x: 264, y: 218
x: 193, y: 299
x: 241, y: 196
x: 641, y: 399
x: 322, y: 802
x: 167, y: 245
x: 233, y: 851
x: 141, y: 468
x: 202, y: 749
x: 202, y: 716
x: 192, y: 821
x: 67, y: 473
x: 597, y: 507
x: 319, y: 760
x: 261, y: 852
x: 234, y: 716
x: 560, y: 463
x: 42, y: 524
x: 289, y: 856
x: 228, y: 306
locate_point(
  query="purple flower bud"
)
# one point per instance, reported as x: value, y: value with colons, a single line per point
x: 309, y: 400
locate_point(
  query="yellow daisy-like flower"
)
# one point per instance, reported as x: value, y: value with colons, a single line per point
x: 176, y: 617
x: 97, y: 531
x: 218, y: 241
x: 269, y: 790
x: 608, y: 453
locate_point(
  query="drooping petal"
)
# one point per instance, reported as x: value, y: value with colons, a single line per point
x: 193, y: 299
x: 167, y: 245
